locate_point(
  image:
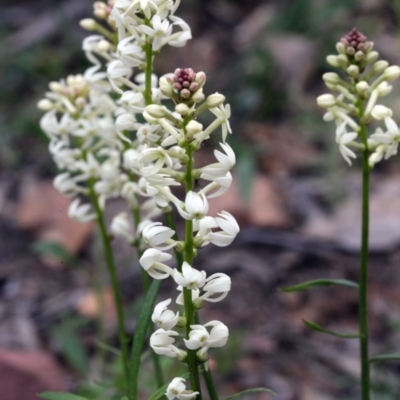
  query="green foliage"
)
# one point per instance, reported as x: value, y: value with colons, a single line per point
x: 320, y: 283
x: 60, y: 396
x: 319, y: 328
x: 56, y: 250
x: 250, y: 391
x: 140, y: 335
x: 386, y: 357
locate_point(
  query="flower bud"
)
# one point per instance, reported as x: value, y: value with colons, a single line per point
x: 45, y: 105
x: 214, y: 100
x: 343, y: 61
x: 202, y: 355
x: 104, y: 46
x: 333, y: 60
x: 155, y: 111
x: 166, y: 86
x: 353, y: 71
x: 380, y: 112
x: 88, y: 24
x: 200, y: 78
x: 331, y: 77
x: 380, y: 66
x: 326, y: 100
x: 193, y: 127
x: 391, y: 73
x: 341, y: 48
x: 359, y: 55
x: 362, y: 87
x: 198, y: 97
x: 371, y: 57
x: 383, y: 89
x: 182, y: 109
x: 55, y: 86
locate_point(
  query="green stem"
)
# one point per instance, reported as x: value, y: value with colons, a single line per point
x: 169, y: 218
x: 208, y: 378
x: 187, y: 293
x: 108, y: 252
x: 363, y: 280
x: 149, y: 66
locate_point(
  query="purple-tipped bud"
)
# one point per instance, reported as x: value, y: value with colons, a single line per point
x: 185, y: 93
x: 185, y: 84
x: 177, y: 86
x: 193, y: 86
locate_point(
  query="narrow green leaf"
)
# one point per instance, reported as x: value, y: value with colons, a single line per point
x: 248, y: 391
x: 386, y: 357
x: 60, y: 396
x: 139, y: 337
x: 318, y: 283
x: 318, y: 328
x: 54, y: 249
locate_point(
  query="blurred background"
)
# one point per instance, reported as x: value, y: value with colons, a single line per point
x: 295, y: 198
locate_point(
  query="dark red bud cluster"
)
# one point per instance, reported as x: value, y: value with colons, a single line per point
x: 355, y: 42
x: 184, y: 82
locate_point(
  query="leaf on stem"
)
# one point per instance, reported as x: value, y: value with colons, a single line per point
x: 60, y: 396
x: 319, y: 283
x: 248, y: 391
x: 319, y: 328
x: 139, y: 337
x: 386, y: 357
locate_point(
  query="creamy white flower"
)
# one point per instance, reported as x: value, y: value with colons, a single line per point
x: 342, y: 139
x: 157, y: 154
x: 159, y: 236
x: 196, y: 206
x: 180, y: 300
x: 81, y: 212
x: 226, y: 163
x: 133, y: 101
x: 65, y: 185
x: 230, y: 229
x: 130, y: 192
x: 223, y: 113
x: 200, y: 338
x: 161, y: 342
x: 152, y: 262
x: 117, y: 72
x: 390, y: 139
x: 380, y: 112
x: 216, y: 283
x: 159, y: 30
x: 190, y: 278
x: 129, y: 53
x: 120, y: 226
x: 177, y: 389
x: 219, y: 186
x: 126, y: 122
x: 164, y: 318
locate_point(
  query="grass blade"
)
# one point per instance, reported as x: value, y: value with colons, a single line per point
x: 319, y: 283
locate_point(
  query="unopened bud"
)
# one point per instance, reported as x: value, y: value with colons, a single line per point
x: 80, y: 102
x: 185, y: 93
x: 182, y: 321
x: 200, y: 78
x: 215, y: 100
x: 362, y: 87
x: 341, y: 48
x: 182, y: 109
x: 371, y: 57
x: 331, y: 77
x: 166, y: 86
x: 380, y: 66
x: 104, y: 45
x: 198, y: 97
x: 45, y: 105
x: 359, y: 55
x: 198, y: 303
x: 155, y: 111
x: 193, y: 127
x: 55, y: 86
x: 202, y: 355
x: 343, y: 61
x: 380, y: 112
x: 333, y: 60
x: 353, y: 71
x: 391, y: 73
x: 383, y: 89
x: 88, y: 24
x: 326, y: 100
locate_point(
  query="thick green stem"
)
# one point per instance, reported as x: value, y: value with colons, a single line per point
x: 187, y: 293
x: 108, y: 252
x: 169, y: 218
x: 208, y: 378
x: 363, y: 279
x: 148, y: 72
